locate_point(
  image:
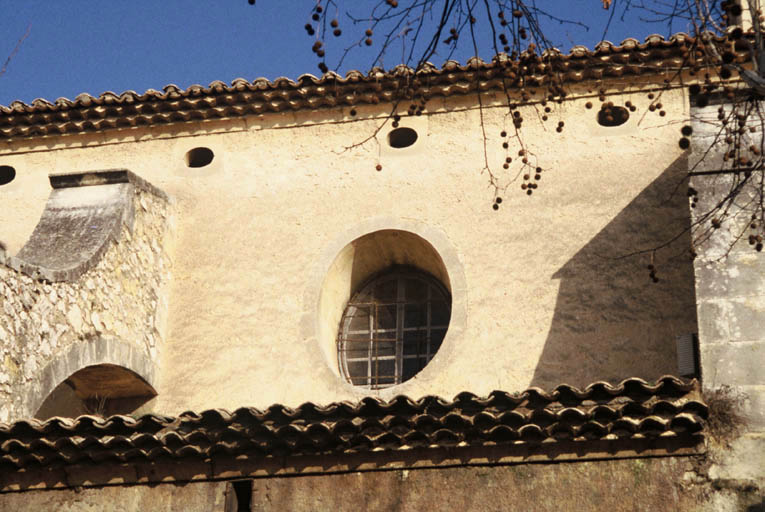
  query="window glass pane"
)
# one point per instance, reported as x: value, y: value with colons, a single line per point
x: 357, y: 369
x: 436, y: 337
x: 384, y: 347
x: 411, y: 367
x: 359, y: 320
x: 386, y: 291
x: 359, y: 381
x: 416, y: 290
x: 415, y: 315
x: 414, y: 342
x: 439, y: 313
x: 386, y: 316
x: 384, y: 369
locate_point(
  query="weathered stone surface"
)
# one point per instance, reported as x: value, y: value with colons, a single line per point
x: 735, y: 364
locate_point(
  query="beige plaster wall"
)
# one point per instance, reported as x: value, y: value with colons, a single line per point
x: 546, y: 298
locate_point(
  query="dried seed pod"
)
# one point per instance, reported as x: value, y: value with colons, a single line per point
x: 588, y: 104
x: 378, y: 167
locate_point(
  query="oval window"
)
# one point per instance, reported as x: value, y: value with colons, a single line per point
x: 199, y: 157
x: 392, y: 328
x: 612, y: 115
x: 402, y: 137
x: 7, y: 174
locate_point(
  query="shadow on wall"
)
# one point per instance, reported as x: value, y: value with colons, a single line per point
x: 100, y: 390
x: 611, y: 321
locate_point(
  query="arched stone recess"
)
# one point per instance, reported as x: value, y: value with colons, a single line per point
x: 95, y: 268
x: 359, y: 254
x: 105, y: 375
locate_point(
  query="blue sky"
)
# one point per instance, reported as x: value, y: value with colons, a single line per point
x: 98, y: 45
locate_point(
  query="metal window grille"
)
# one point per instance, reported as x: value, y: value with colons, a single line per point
x: 392, y: 328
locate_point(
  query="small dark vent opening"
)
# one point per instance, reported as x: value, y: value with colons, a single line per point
x: 402, y: 137
x: 7, y: 174
x: 239, y: 496
x: 610, y: 115
x: 199, y: 157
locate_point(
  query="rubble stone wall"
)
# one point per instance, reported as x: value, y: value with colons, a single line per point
x: 111, y: 313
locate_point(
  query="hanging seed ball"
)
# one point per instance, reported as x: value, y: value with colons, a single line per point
x: 323, y: 67
x: 525, y: 160
x: 559, y: 129
x: 685, y: 143
x: 508, y: 160
x: 368, y: 32
x: 498, y: 200
x: 521, y: 152
x: 758, y: 247
x: 517, y: 13
x: 495, y: 206
x: 560, y: 123
x: 368, y: 42
x: 529, y: 191
x: 544, y: 118
x: 538, y: 169
x: 353, y: 112
x: 659, y: 105
x: 652, y: 107
x: 526, y: 177
x: 334, y: 23
x: 505, y: 165
x: 319, y: 8
x: 503, y: 134
x: 395, y: 124
x: 650, y: 96
x: 715, y: 223
x: 320, y: 53
x: 337, y: 32
x: 315, y: 17
x: 588, y: 104
x: 537, y: 177
x: 378, y: 167
x: 662, y: 113
x: 505, y: 145
x: 686, y: 130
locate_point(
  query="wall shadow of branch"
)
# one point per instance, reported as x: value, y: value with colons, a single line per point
x: 611, y: 321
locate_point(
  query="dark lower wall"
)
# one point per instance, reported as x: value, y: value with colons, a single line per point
x: 657, y: 484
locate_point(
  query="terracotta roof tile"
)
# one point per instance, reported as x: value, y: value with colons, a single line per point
x: 241, y: 98
x: 633, y: 409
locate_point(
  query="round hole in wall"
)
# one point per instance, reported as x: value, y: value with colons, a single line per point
x: 402, y: 137
x: 610, y: 115
x: 199, y: 157
x: 7, y: 174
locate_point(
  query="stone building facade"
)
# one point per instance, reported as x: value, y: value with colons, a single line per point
x: 178, y: 268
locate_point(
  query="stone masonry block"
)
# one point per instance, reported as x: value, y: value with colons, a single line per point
x: 713, y: 321
x: 735, y: 364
